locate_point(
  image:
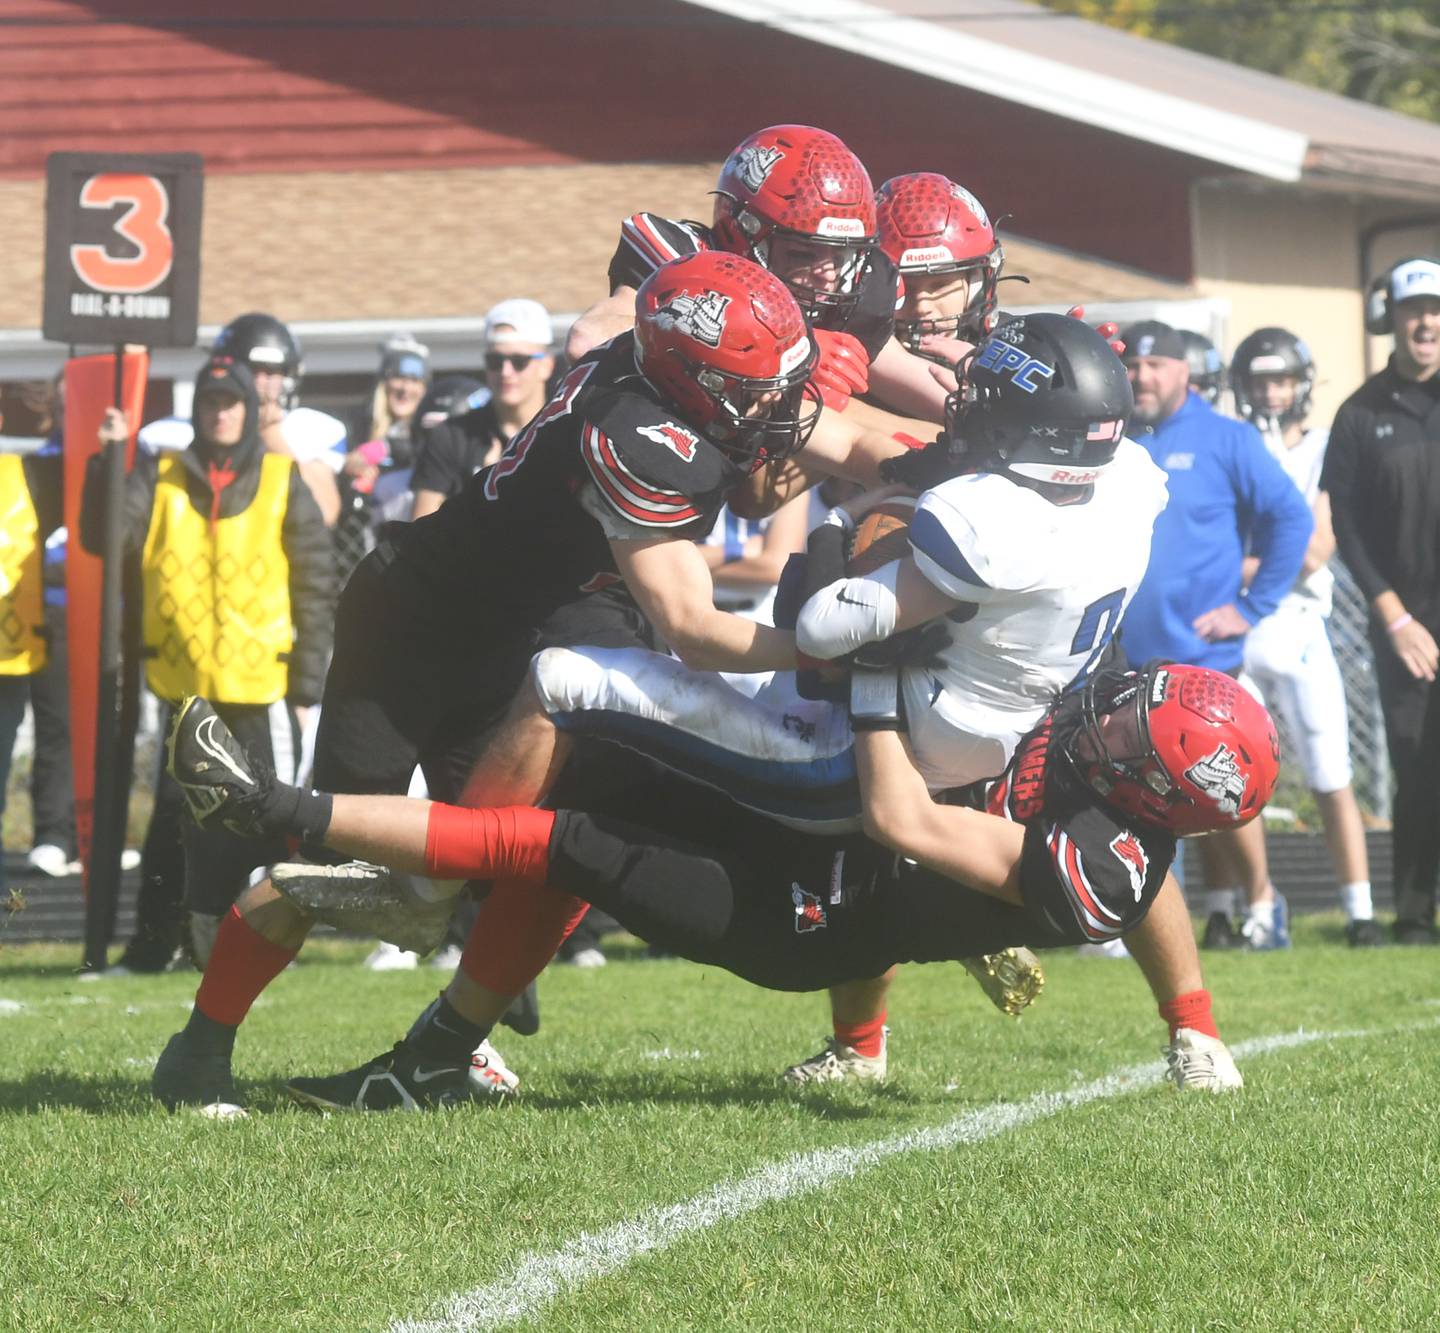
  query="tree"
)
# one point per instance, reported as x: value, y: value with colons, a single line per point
x: 1376, y: 52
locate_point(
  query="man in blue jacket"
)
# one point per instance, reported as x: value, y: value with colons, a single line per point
x: 1227, y: 547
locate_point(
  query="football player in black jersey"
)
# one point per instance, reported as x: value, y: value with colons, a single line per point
x: 631, y: 458
x: 798, y: 201
x: 1070, y: 845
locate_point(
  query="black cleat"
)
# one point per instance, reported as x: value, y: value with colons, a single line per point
x: 184, y: 1077
x: 220, y: 784
x: 1415, y: 932
x: 1220, y: 933
x: 1364, y: 934
x: 400, y: 1080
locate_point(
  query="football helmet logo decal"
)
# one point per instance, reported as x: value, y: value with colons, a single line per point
x: 1131, y: 855
x: 809, y: 914
x: 754, y: 163
x: 1219, y: 777
x: 699, y: 317
x: 675, y: 438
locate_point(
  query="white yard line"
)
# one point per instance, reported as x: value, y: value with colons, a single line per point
x: 539, y: 1279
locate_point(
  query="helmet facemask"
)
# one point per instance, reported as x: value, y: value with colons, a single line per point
x: 758, y: 421
x: 1112, y: 764
x: 848, y: 254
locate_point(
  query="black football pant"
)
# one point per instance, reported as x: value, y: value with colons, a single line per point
x: 1412, y: 731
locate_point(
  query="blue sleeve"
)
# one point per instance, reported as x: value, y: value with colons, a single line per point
x: 1278, y: 523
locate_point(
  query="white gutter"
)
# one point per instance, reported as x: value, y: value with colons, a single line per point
x: 1032, y: 81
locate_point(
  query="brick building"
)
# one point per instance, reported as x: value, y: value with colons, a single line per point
x: 368, y: 168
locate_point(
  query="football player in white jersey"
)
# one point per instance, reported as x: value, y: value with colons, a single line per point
x: 1288, y: 654
x: 1027, y: 558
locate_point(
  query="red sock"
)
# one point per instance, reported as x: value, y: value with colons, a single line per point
x: 516, y: 933
x: 511, y: 841
x: 868, y: 1038
x: 242, y: 963
x: 1191, y: 1010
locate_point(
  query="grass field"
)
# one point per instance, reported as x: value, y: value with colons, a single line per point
x: 654, y: 1176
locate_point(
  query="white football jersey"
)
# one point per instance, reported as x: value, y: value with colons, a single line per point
x: 1048, y: 583
x: 1303, y: 464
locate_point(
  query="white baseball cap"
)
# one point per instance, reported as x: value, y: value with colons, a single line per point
x: 1415, y: 277
x: 528, y: 322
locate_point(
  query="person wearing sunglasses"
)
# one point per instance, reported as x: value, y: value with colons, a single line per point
x: 519, y: 366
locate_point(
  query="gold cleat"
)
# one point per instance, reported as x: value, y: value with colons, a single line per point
x: 1011, y: 978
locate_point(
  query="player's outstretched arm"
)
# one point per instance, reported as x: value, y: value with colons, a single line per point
x: 977, y: 850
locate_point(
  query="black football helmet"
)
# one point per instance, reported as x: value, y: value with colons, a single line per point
x: 1272, y: 352
x: 263, y: 342
x: 1044, y: 398
x: 1207, y: 367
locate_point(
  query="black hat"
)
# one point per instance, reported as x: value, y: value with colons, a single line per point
x: 1152, y: 338
x: 227, y: 374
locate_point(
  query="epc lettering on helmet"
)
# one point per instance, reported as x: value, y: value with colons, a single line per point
x: 1003, y: 359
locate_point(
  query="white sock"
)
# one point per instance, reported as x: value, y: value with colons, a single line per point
x: 1355, y: 898
x: 1220, y: 900
x: 1262, y: 913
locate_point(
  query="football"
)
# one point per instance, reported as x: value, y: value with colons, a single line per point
x: 881, y: 536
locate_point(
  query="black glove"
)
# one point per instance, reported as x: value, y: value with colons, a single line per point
x: 920, y: 469
x: 918, y: 647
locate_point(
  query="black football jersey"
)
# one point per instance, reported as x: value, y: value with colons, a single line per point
x: 604, y: 459
x: 648, y: 241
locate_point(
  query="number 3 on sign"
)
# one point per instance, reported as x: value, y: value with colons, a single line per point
x: 142, y: 224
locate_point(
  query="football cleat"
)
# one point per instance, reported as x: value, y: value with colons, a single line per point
x: 490, y: 1075
x: 186, y: 1078
x: 839, y: 1063
x: 1364, y: 933
x: 1220, y: 933
x: 408, y: 911
x: 400, y: 1080
x: 1012, y: 978
x: 1263, y: 936
x: 219, y: 783
x: 1197, y: 1063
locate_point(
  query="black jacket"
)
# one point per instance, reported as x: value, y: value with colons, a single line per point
x: 304, y: 537
x: 1382, y: 470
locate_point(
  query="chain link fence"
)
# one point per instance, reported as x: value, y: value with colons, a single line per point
x: 1369, y: 755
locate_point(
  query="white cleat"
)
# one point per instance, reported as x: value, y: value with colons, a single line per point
x: 839, y: 1063
x: 390, y: 958
x: 1197, y: 1063
x: 490, y: 1074
x: 408, y: 911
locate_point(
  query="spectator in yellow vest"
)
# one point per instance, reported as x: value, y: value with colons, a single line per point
x: 29, y: 512
x: 238, y: 597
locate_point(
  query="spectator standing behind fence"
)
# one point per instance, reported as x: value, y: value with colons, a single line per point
x: 1227, y: 496
x: 1382, y: 471
x: 518, y: 367
x: 1288, y: 654
x: 30, y: 509
x: 30, y: 409
x: 380, y: 450
x: 238, y: 598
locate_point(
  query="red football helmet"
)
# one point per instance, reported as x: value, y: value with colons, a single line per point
x: 726, y: 345
x: 1207, y: 756
x: 928, y: 224
x: 797, y: 183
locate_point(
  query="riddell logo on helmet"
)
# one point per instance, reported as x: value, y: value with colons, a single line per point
x: 794, y: 356
x: 699, y: 317
x: 755, y: 163
x: 1158, y: 687
x: 1219, y: 777
x: 930, y: 254
x: 840, y: 227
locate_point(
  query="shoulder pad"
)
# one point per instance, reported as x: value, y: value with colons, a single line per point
x: 965, y: 536
x: 651, y: 466
x: 654, y: 240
